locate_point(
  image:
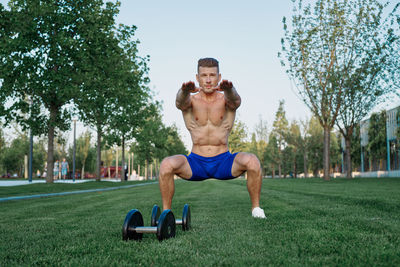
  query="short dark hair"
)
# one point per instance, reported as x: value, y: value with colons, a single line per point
x: 208, y: 62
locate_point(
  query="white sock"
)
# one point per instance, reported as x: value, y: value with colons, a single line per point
x: 258, y: 212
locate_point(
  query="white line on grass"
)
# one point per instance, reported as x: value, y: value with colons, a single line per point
x: 72, y: 192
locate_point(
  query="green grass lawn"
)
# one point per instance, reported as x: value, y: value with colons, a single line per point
x: 43, y: 188
x: 310, y: 222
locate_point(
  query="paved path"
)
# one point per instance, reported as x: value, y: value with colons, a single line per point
x: 73, y: 192
x: 24, y: 182
x: 68, y: 181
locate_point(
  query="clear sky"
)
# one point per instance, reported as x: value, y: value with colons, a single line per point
x: 243, y: 35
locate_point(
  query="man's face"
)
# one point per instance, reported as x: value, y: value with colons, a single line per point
x: 208, y: 78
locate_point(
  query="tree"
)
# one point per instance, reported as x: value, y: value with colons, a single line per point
x: 333, y: 52
x: 133, y: 99
x: 139, y: 117
x: 356, y: 147
x: 253, y: 145
x: 39, y: 155
x: 394, y: 36
x: 363, y: 77
x: 335, y: 150
x: 271, y: 153
x: 108, y: 158
x: 150, y: 140
x: 174, y: 144
x: 41, y: 59
x: 315, y: 145
x: 280, y: 129
x: 261, y: 137
x: 237, y: 137
x: 304, y: 144
x: 13, y: 157
x: 82, y: 150
x: 2, y: 147
x: 100, y: 67
x: 294, y: 141
x: 156, y: 141
x: 377, y: 137
x: 114, y: 96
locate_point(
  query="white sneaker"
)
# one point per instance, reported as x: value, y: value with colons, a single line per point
x: 258, y: 212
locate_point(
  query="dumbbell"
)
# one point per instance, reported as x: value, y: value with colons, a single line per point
x: 133, y: 226
x: 185, y: 221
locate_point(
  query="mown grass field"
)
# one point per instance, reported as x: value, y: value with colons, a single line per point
x: 310, y: 222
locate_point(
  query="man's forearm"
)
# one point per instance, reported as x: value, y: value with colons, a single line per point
x: 182, y: 99
x: 232, y: 97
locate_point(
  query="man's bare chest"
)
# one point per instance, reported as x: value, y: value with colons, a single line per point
x: 208, y: 113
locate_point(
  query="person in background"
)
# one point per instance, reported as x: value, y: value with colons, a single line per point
x: 56, y: 169
x: 64, y: 168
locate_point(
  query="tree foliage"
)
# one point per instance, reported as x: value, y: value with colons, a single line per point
x: 394, y: 36
x: 45, y: 46
x: 13, y: 155
x: 237, y: 137
x: 315, y: 147
x: 334, y: 53
x: 294, y: 141
x: 280, y: 130
x: 377, y: 137
x: 156, y: 141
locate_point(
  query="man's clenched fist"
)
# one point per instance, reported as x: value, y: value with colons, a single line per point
x: 190, y: 87
x: 225, y: 85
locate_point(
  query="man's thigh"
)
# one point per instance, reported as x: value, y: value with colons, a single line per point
x: 180, y: 166
x: 243, y: 162
x: 239, y: 165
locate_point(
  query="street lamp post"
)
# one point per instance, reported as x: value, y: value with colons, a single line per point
x: 73, y: 161
x: 30, y: 147
x: 30, y: 155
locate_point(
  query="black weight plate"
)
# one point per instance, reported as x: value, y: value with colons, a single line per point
x: 166, y: 225
x: 186, y: 218
x: 132, y: 220
x: 155, y: 215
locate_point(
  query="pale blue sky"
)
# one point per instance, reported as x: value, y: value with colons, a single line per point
x: 243, y: 35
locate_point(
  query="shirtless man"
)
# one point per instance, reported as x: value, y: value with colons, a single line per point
x: 209, y: 113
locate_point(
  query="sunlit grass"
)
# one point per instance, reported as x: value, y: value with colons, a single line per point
x: 310, y: 222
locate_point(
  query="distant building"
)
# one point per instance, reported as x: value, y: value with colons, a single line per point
x: 392, y: 161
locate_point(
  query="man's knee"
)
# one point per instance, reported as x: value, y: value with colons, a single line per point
x: 166, y: 166
x: 169, y: 166
x: 252, y: 163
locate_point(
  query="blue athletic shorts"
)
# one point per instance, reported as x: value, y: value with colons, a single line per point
x: 218, y: 167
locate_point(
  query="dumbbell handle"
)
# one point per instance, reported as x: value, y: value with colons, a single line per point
x: 177, y: 222
x: 144, y: 229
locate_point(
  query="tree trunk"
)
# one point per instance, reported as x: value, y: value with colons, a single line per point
x: 83, y: 172
x: 109, y: 172
x: 315, y: 172
x: 98, y: 158
x: 123, y: 160
x: 50, y: 146
x: 280, y: 170
x: 145, y: 170
x: 273, y: 171
x: 116, y: 163
x: 305, y: 164
x: 326, y: 159
x: 294, y: 168
x: 348, y: 156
